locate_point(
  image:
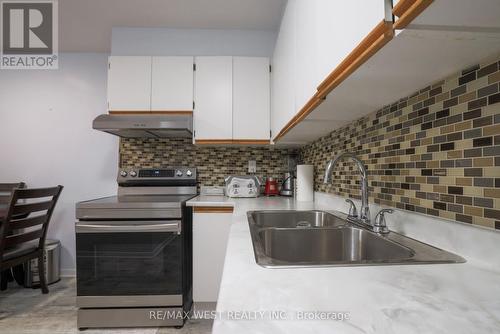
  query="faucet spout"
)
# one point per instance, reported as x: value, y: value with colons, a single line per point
x: 365, y: 209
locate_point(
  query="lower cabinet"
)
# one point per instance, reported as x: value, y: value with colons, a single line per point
x: 210, y: 234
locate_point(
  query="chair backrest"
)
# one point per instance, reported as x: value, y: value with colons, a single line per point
x: 6, y: 191
x: 28, y: 216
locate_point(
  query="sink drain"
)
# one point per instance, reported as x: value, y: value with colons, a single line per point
x: 303, y: 224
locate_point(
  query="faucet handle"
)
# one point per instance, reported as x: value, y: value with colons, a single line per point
x: 380, y: 226
x: 353, y: 212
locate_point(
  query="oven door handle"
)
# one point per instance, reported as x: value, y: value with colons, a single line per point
x: 106, y: 227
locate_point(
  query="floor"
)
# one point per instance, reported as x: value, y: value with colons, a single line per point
x: 28, y: 311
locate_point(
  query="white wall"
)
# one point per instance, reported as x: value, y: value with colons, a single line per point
x: 192, y: 42
x: 46, y: 137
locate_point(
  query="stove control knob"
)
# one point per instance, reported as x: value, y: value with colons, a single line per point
x: 133, y: 173
x: 178, y: 173
x: 189, y: 173
x: 123, y: 173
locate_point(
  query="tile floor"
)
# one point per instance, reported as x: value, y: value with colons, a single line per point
x: 28, y: 311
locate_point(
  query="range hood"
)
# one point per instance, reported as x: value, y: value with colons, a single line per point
x: 146, y: 126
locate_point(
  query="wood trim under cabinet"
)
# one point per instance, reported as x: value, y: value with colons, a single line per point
x: 232, y: 142
x: 402, y: 6
x: 151, y: 112
x: 354, y: 58
x: 411, y: 13
x: 213, y: 209
x: 251, y: 141
x: 213, y: 141
x: 312, y: 104
x: 375, y: 40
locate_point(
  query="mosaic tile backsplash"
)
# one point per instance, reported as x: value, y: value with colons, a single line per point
x: 435, y: 152
x: 214, y: 163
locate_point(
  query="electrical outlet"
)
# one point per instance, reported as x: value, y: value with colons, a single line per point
x: 252, y: 166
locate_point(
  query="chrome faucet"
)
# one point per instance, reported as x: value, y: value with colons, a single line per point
x: 380, y: 226
x: 364, y: 216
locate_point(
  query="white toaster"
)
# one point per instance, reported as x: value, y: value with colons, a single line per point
x: 242, y: 186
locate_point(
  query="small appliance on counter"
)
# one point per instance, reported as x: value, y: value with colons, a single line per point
x: 242, y: 186
x: 271, y: 187
x: 288, y: 185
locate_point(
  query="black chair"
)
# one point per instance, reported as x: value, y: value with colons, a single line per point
x: 6, y: 190
x: 16, y: 272
x: 24, y: 228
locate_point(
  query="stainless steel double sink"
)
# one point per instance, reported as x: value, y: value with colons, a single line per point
x: 319, y: 238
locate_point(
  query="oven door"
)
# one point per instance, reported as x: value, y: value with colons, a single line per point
x: 129, y: 263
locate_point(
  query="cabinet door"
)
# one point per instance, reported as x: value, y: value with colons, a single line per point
x: 129, y: 83
x: 341, y: 26
x: 251, y: 98
x: 283, y: 75
x: 172, y: 84
x: 306, y: 51
x: 210, y: 235
x: 213, y: 98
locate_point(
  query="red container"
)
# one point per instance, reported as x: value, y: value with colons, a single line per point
x: 271, y: 187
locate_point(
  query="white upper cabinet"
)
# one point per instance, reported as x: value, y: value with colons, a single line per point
x: 129, y: 84
x: 172, y: 84
x: 213, y: 98
x: 340, y: 27
x: 354, y: 62
x: 251, y: 98
x: 229, y: 96
x: 315, y: 37
x: 138, y: 84
x: 283, y: 72
x: 306, y: 52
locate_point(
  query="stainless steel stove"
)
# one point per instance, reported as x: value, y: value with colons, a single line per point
x: 134, y: 251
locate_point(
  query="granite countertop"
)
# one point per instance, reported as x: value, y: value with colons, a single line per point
x: 443, y: 298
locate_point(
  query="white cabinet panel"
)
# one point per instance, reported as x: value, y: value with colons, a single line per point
x: 210, y: 235
x: 306, y: 52
x: 315, y: 37
x: 213, y: 98
x: 341, y: 26
x: 251, y: 100
x: 283, y: 75
x: 172, y: 84
x: 129, y: 83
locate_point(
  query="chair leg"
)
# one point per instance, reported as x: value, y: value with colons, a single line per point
x: 3, y: 280
x: 18, y: 273
x: 8, y: 272
x: 41, y: 274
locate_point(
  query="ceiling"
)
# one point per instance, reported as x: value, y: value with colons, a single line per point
x: 85, y: 26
